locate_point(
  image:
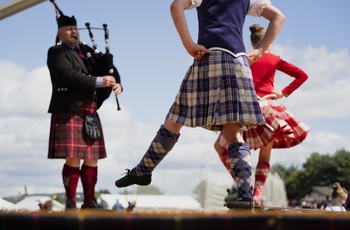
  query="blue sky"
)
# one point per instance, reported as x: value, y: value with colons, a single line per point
x: 152, y: 62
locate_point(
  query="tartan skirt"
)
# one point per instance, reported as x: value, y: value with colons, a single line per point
x: 69, y: 139
x: 217, y: 89
x: 282, y: 128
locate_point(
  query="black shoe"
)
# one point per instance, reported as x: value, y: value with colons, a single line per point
x: 93, y: 205
x: 71, y: 205
x: 131, y: 178
x: 240, y: 203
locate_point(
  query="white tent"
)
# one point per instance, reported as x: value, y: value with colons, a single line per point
x: 153, y: 201
x: 31, y: 203
x: 4, y: 204
x: 216, y: 189
x: 274, y: 192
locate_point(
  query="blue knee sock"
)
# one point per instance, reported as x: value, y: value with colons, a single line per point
x: 161, y: 145
x: 239, y: 155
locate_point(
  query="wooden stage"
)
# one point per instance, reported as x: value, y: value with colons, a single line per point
x: 175, y: 220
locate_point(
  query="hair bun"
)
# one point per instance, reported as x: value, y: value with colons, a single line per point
x: 254, y: 28
x: 336, y: 186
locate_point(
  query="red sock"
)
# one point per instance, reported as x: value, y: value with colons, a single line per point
x: 261, y: 172
x: 70, y: 177
x: 88, y: 179
x: 226, y: 161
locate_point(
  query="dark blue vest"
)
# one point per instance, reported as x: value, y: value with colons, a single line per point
x: 221, y: 23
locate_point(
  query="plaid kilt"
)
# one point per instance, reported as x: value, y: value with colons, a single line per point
x: 282, y: 128
x: 69, y: 139
x: 217, y: 89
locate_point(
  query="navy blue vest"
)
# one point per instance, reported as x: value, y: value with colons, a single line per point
x: 221, y: 23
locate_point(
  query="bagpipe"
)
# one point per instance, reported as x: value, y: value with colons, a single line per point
x: 99, y: 63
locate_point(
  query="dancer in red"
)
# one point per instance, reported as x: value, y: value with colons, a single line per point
x: 282, y: 129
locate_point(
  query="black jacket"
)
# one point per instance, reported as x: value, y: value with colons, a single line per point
x: 72, y: 80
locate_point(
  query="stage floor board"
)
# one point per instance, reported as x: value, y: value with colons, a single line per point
x: 175, y: 220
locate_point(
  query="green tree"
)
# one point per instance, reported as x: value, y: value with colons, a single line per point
x: 102, y: 191
x: 318, y: 170
x: 342, y: 166
x: 291, y: 179
x: 148, y: 190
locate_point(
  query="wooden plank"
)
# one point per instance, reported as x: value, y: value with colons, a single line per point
x: 17, y: 6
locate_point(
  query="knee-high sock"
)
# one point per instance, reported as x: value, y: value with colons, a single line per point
x: 161, y: 145
x: 88, y: 179
x: 70, y: 178
x: 226, y: 161
x: 239, y: 155
x: 261, y: 172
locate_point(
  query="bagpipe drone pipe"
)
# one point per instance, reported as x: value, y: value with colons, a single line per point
x: 100, y: 63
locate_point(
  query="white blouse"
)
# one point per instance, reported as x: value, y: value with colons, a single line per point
x: 255, y: 8
x: 337, y: 208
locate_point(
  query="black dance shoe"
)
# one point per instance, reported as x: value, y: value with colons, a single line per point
x: 131, y: 178
x: 93, y: 205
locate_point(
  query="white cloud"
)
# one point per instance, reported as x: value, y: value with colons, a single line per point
x: 325, y: 93
x: 24, y: 129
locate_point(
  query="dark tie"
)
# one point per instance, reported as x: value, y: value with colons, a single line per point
x: 79, y: 52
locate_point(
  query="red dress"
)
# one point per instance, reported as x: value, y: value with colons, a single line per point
x: 282, y: 128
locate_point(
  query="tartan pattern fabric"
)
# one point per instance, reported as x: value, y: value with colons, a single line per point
x: 68, y: 138
x: 282, y: 128
x: 261, y: 172
x: 226, y: 161
x: 240, y: 159
x: 217, y: 89
x: 161, y: 145
x: 223, y: 155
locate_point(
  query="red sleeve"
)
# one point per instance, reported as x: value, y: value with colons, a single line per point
x: 293, y: 71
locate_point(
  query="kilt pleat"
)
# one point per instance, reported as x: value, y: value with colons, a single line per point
x: 282, y: 127
x: 68, y: 137
x: 216, y: 90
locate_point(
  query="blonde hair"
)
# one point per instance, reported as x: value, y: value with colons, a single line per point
x: 339, y: 191
x: 257, y: 34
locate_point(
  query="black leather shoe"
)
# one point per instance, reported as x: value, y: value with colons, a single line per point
x: 131, y: 178
x: 93, y: 205
x: 71, y: 205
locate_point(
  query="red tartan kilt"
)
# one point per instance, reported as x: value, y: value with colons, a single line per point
x: 282, y: 128
x: 69, y: 139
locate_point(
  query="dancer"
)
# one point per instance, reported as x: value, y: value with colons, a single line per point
x: 217, y: 92
x: 282, y: 130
